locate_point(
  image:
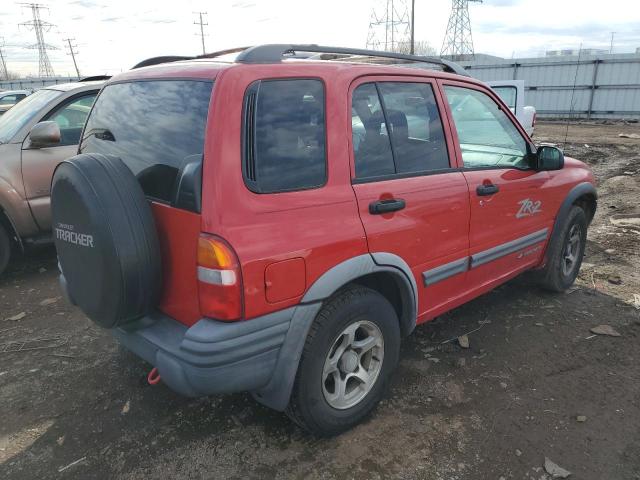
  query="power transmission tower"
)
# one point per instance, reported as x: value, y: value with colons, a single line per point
x: 73, y: 52
x: 4, y: 73
x: 202, y: 24
x: 458, y: 41
x: 37, y: 25
x: 390, y: 26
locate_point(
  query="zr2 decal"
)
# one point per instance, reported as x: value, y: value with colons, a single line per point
x: 528, y: 208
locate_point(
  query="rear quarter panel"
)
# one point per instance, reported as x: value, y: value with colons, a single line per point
x: 321, y: 226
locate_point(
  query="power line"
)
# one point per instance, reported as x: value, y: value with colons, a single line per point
x: 4, y: 73
x: 611, y: 45
x: 39, y: 26
x: 458, y: 40
x: 202, y: 24
x: 73, y: 52
x: 389, y: 26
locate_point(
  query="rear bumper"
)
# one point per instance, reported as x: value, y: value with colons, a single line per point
x: 211, y: 357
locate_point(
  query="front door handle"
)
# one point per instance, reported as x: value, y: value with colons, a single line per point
x: 487, y: 189
x: 385, y: 206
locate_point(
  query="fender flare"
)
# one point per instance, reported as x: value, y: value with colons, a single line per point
x: 576, y: 192
x: 356, y: 267
x: 277, y: 392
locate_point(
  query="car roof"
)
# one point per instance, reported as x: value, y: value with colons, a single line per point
x: 67, y: 87
x: 209, y: 69
x: 12, y: 92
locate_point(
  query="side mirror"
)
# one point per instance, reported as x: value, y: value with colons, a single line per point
x: 44, y: 134
x: 549, y: 158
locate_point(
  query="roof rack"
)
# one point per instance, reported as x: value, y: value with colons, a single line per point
x: 273, y: 53
x: 158, y: 60
x: 95, y: 78
x: 176, y: 58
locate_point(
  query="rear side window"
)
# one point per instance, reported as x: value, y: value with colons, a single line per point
x: 397, y: 130
x: 284, y: 147
x: 156, y: 127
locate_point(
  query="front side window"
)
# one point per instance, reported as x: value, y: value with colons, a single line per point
x: 487, y: 136
x: 71, y: 118
x: 156, y: 127
x: 396, y: 129
x: 19, y: 116
x: 284, y: 135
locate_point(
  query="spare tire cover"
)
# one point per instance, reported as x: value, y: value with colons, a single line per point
x: 106, y: 239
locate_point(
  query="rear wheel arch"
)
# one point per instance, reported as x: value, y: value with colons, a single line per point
x: 386, y: 273
x: 381, y: 272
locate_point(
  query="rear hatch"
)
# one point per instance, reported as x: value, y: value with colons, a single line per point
x: 157, y: 128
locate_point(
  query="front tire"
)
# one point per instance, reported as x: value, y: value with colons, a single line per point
x: 351, y: 350
x: 565, y: 255
x: 5, y: 249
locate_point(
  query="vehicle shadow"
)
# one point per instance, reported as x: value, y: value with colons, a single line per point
x: 32, y: 262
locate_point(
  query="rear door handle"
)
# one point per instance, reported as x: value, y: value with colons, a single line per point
x: 385, y: 206
x: 488, y: 189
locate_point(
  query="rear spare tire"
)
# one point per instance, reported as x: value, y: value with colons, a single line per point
x: 106, y: 239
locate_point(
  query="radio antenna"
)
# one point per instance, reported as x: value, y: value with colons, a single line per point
x: 573, y: 91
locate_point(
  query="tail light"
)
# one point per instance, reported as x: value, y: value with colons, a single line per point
x: 533, y: 122
x: 219, y: 279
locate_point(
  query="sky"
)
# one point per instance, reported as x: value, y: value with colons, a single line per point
x: 113, y: 35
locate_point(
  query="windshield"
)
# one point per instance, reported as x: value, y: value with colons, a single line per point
x: 18, y: 116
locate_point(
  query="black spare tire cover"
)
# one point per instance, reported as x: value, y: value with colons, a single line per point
x: 106, y: 239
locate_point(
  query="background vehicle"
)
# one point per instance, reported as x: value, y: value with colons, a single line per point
x: 10, y: 97
x: 35, y: 135
x: 222, y: 225
x: 513, y: 94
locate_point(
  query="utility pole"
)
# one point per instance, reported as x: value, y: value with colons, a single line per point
x: 458, y: 40
x: 202, y: 25
x: 37, y: 25
x: 4, y: 73
x: 611, y: 46
x: 413, y: 26
x: 73, y: 52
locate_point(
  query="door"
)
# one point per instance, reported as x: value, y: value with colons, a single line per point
x: 38, y: 164
x: 509, y: 219
x: 412, y: 200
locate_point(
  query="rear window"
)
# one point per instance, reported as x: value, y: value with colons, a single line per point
x: 156, y: 127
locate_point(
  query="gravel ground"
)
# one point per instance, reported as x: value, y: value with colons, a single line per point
x: 534, y: 383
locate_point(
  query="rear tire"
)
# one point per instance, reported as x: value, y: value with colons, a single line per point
x: 354, y: 342
x: 565, y: 254
x: 5, y: 249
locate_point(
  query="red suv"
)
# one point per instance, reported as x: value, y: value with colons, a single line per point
x: 276, y: 224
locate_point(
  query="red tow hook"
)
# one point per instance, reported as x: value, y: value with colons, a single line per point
x: 153, y: 376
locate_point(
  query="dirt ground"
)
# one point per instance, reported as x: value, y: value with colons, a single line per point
x: 534, y: 383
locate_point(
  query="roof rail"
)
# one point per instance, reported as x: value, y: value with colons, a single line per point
x: 94, y: 78
x: 273, y: 53
x: 158, y: 60
x: 176, y: 58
